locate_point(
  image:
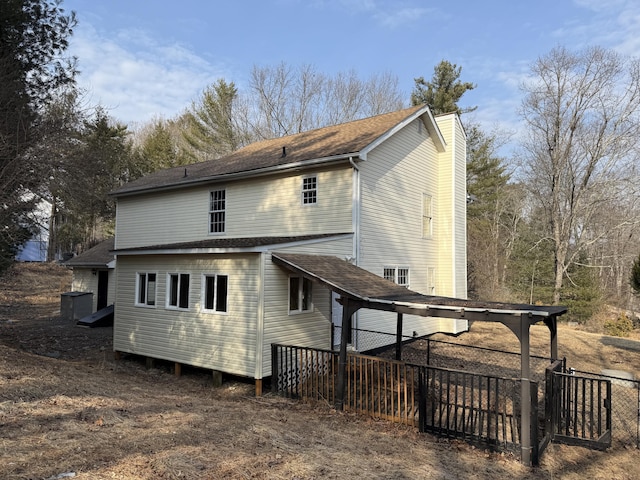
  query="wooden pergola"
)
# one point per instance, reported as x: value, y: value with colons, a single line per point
x: 359, y: 288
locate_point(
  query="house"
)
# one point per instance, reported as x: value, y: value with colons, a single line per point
x: 195, y: 279
x: 35, y: 249
x: 94, y: 272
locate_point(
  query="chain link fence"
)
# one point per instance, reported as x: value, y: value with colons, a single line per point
x: 487, y: 361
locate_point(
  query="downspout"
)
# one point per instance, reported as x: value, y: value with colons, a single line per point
x: 355, y: 221
x: 355, y: 211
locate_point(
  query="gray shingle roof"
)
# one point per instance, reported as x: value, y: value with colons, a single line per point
x: 358, y: 283
x: 232, y: 243
x: 96, y: 257
x: 339, y: 140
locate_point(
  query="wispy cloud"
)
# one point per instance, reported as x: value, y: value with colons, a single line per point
x: 139, y: 75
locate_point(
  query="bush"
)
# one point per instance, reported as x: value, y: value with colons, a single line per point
x: 621, y: 326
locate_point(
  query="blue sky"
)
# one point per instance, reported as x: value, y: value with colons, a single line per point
x: 144, y: 59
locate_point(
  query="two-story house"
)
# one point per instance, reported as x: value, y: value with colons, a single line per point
x: 195, y: 280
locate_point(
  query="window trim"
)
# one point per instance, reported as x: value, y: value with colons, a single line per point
x: 312, y: 192
x: 427, y: 217
x: 222, y: 211
x: 300, y: 295
x: 137, y: 302
x: 203, y: 299
x: 396, y: 275
x: 179, y: 293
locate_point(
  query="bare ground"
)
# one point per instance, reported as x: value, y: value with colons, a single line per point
x: 67, y: 408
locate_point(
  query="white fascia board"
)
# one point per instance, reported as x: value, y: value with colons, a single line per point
x: 429, y: 122
x: 218, y: 250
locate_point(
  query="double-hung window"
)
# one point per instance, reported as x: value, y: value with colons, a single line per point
x: 300, y: 295
x: 427, y: 216
x: 146, y: 288
x: 310, y: 190
x: 214, y: 293
x: 399, y: 275
x: 217, y: 211
x: 178, y: 290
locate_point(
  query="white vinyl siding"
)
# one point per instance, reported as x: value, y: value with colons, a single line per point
x: 265, y: 206
x: 219, y: 342
x: 393, y: 195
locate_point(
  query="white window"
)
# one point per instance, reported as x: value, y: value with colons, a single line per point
x: 300, y: 295
x: 399, y: 275
x: 178, y: 290
x: 217, y: 211
x: 146, y: 288
x: 214, y: 293
x: 309, y: 190
x: 427, y: 216
x: 431, y: 281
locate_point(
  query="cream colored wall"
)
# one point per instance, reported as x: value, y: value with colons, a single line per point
x: 224, y: 342
x: 83, y: 280
x: 266, y: 206
x: 391, y: 218
x: 312, y: 329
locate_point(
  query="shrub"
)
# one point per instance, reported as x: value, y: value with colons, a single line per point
x: 621, y: 326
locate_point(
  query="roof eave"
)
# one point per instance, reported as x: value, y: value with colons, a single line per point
x: 430, y: 124
x: 303, y: 164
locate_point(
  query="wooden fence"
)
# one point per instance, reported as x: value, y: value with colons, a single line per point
x: 478, y: 408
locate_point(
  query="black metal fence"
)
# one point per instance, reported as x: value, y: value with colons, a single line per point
x: 478, y: 408
x: 625, y: 408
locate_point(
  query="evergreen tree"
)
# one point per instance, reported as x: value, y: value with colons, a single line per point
x: 635, y: 276
x: 444, y: 91
x: 33, y: 38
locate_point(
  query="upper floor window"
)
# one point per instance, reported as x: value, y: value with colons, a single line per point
x: 399, y: 275
x: 214, y: 293
x: 217, y: 211
x: 146, y: 287
x: 300, y: 293
x: 427, y: 216
x: 178, y: 290
x: 309, y: 190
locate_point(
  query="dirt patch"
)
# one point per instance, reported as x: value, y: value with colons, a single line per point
x: 66, y: 407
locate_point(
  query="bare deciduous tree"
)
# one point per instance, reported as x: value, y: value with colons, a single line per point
x: 581, y: 111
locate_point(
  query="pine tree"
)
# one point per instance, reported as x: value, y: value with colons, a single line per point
x: 444, y: 91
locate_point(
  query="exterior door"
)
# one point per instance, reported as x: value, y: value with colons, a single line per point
x: 103, y: 289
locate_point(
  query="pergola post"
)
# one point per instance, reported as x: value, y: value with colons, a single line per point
x: 399, y: 337
x: 349, y: 307
x: 525, y: 394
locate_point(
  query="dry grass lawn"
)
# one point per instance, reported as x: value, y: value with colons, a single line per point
x: 67, y: 409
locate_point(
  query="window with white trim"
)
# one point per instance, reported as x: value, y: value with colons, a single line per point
x: 146, y: 288
x: 399, y: 275
x: 431, y: 281
x: 178, y: 290
x: 300, y: 294
x: 214, y: 293
x: 427, y: 216
x: 309, y: 190
x: 217, y: 211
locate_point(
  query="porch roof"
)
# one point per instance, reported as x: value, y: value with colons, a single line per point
x: 374, y: 292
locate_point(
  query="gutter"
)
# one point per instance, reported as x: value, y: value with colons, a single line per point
x: 304, y: 164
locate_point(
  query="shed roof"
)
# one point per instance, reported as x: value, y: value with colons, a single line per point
x: 237, y: 243
x: 96, y: 257
x: 360, y: 284
x: 326, y: 144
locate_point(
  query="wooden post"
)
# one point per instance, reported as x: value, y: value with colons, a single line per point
x: 399, y: 337
x: 177, y: 369
x: 349, y: 307
x: 258, y: 387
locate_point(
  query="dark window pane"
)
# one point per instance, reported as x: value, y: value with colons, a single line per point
x: 221, y: 293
